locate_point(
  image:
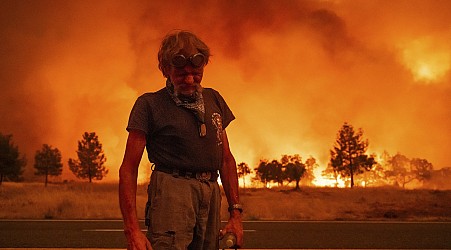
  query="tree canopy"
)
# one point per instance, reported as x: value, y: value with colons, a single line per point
x: 402, y: 170
x: 348, y: 156
x: 290, y: 168
x: 91, y: 159
x: 11, y: 163
x: 47, y: 161
x: 294, y: 168
x: 243, y: 170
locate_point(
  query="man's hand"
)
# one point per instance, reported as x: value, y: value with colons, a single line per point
x: 235, y: 226
x: 137, y: 241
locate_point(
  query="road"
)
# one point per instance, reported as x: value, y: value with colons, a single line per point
x: 258, y: 235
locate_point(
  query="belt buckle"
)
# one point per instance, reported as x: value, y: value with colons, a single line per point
x: 203, y: 176
x: 175, y: 173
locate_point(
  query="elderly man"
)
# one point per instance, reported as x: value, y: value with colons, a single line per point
x: 182, y: 126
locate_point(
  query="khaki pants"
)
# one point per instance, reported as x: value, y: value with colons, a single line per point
x: 183, y: 213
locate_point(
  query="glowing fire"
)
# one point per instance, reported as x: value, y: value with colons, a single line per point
x: 321, y: 181
x: 291, y: 78
x: 427, y: 61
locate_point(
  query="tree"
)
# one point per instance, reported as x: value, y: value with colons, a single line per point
x: 309, y: 176
x: 47, y: 161
x: 263, y: 173
x: 270, y: 172
x: 243, y: 170
x: 11, y: 163
x: 294, y: 168
x: 400, y: 170
x: 348, y: 155
x: 439, y: 179
x: 91, y: 159
x: 277, y: 172
x: 422, y: 169
x: 375, y: 176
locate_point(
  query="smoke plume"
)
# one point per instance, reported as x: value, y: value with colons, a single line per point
x: 292, y: 71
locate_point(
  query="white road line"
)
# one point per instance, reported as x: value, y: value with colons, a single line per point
x: 251, y: 221
x: 121, y: 230
x: 240, y: 249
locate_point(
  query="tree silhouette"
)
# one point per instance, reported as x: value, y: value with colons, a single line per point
x: 400, y: 170
x: 277, y: 172
x: 91, y: 159
x: 374, y: 177
x: 269, y: 172
x: 309, y: 175
x: 243, y: 170
x: 262, y: 172
x: 48, y: 162
x: 348, y: 155
x: 422, y: 169
x: 294, y: 168
x: 11, y: 163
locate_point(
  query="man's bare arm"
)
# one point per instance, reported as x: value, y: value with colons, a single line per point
x: 128, y: 175
x: 229, y: 179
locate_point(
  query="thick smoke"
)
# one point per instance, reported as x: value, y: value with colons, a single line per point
x: 292, y: 71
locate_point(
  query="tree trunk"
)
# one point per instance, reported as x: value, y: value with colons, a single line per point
x: 89, y: 174
x: 46, y: 176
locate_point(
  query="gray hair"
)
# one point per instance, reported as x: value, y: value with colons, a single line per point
x: 174, y: 42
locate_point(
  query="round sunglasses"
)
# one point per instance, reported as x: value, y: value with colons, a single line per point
x: 196, y: 60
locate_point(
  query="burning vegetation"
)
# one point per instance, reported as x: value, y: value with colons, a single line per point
x: 292, y: 71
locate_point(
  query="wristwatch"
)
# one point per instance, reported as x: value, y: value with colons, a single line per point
x: 237, y: 206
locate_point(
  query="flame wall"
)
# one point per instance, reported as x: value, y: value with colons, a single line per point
x: 292, y: 71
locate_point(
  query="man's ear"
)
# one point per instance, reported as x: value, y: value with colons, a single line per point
x: 166, y: 72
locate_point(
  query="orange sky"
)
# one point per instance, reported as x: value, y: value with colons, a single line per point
x: 292, y: 71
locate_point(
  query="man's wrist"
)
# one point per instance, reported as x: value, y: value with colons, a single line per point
x: 237, y: 207
x: 235, y: 214
x: 130, y: 233
x: 132, y: 229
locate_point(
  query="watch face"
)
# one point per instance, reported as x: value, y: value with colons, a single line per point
x: 238, y: 207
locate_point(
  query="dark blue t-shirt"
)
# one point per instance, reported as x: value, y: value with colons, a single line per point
x: 172, y: 132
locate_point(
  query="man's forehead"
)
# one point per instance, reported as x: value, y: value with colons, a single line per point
x: 188, y: 70
x: 188, y: 50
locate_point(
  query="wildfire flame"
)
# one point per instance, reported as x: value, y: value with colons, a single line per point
x: 428, y: 60
x: 291, y: 71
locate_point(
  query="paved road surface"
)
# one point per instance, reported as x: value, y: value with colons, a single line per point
x: 259, y: 235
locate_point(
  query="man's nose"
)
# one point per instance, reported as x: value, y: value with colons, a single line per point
x: 189, y: 79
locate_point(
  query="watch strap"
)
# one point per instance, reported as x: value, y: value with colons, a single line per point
x: 237, y: 206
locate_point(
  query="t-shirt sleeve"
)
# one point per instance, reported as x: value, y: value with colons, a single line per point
x: 227, y: 115
x: 139, y: 116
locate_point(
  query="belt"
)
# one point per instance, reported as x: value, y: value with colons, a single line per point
x: 201, y: 176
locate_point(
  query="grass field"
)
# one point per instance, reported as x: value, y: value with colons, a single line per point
x: 100, y: 201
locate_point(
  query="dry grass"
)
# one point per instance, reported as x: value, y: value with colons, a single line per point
x: 100, y: 201
x: 62, y: 201
x: 348, y: 204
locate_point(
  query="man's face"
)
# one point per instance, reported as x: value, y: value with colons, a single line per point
x: 186, y: 80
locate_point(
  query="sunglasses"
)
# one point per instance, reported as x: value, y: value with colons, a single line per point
x: 196, y: 60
